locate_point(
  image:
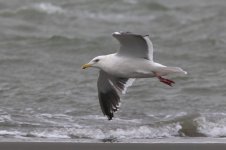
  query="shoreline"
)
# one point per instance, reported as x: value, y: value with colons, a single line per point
x: 104, y: 146
x: 155, y: 144
x: 173, y: 140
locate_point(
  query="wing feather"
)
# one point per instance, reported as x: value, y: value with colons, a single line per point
x: 134, y: 45
x: 109, y: 89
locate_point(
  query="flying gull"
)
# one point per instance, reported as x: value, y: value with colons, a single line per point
x: 133, y: 60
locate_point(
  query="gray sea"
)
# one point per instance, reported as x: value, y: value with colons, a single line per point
x: 44, y: 93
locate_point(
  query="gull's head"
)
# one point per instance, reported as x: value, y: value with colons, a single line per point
x: 95, y: 62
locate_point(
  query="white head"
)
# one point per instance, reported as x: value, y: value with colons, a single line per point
x: 95, y: 62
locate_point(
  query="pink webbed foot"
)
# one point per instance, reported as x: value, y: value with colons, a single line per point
x: 164, y: 80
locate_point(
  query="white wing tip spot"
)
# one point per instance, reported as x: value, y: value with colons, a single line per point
x: 116, y: 33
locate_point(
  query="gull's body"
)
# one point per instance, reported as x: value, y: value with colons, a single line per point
x: 143, y: 69
x: 118, y: 70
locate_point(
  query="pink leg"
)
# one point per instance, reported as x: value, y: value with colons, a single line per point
x: 164, y: 80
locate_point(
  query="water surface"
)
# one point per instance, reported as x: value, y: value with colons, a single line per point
x: 44, y: 94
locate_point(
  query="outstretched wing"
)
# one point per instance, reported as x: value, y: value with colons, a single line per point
x: 109, y: 88
x: 134, y: 45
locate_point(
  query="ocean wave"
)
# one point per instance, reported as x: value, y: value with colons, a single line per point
x: 114, y: 17
x: 6, y: 133
x: 34, y: 11
x: 146, y: 132
x: 140, y: 132
x: 187, y: 126
x: 211, y: 128
x: 57, y: 134
x: 48, y: 8
x: 116, y: 120
x: 155, y: 6
x: 89, y: 133
x: 196, y: 124
x: 203, y: 125
x: 4, y: 118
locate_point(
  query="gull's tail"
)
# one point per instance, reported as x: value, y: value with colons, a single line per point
x: 172, y: 70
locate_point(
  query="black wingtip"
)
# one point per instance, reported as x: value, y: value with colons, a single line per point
x: 108, y: 102
x: 110, y: 116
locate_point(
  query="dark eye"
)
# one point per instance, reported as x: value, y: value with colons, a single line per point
x: 96, y: 60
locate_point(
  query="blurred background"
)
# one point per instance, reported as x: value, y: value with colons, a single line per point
x: 44, y: 93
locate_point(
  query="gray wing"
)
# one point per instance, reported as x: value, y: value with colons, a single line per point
x: 134, y: 45
x: 109, y: 88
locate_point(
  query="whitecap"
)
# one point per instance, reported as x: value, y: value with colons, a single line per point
x: 118, y: 120
x: 147, y: 132
x: 11, y: 133
x: 86, y: 133
x: 49, y: 8
x: 57, y: 134
x: 210, y: 128
x: 5, y: 118
x: 116, y: 17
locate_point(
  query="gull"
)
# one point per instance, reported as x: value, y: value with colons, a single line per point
x: 133, y: 60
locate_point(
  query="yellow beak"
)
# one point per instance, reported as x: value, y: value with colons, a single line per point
x: 86, y: 66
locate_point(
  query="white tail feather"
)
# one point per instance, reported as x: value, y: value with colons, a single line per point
x: 172, y: 70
